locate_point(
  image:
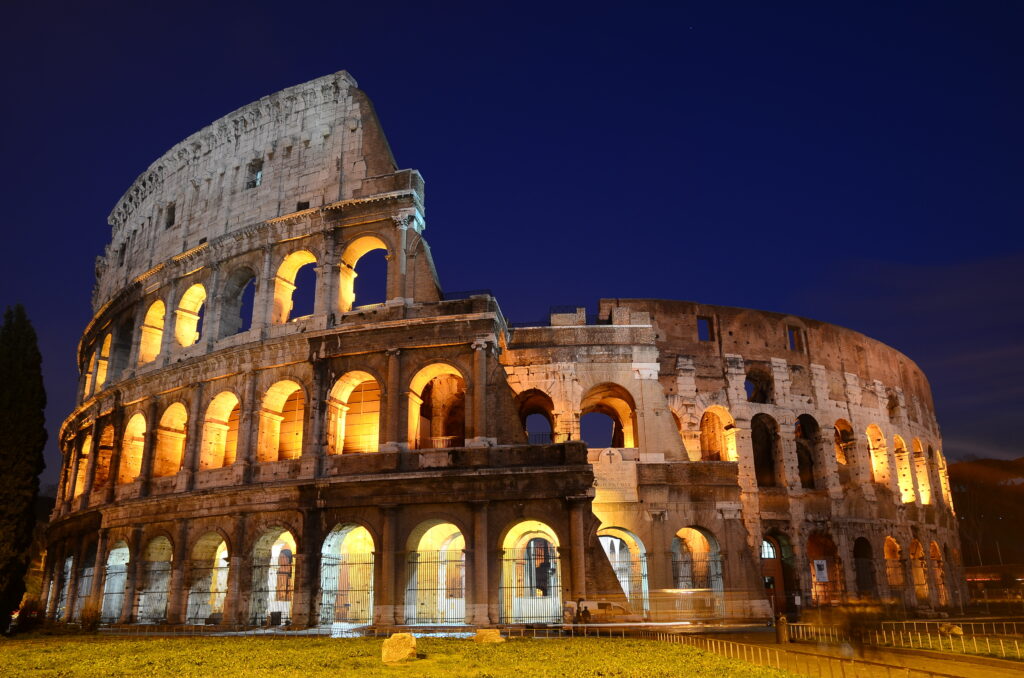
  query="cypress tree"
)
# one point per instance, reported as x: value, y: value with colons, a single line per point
x: 22, y: 438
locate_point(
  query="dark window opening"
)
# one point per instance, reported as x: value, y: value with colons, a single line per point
x: 893, y: 406
x: 705, y: 329
x: 304, y: 205
x: 305, y: 292
x: 254, y: 174
x: 796, y: 338
x: 600, y: 430
x: 758, y: 386
x: 170, y: 215
x: 120, y: 254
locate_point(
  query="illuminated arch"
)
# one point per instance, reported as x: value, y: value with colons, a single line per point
x: 697, y: 570
x: 437, y: 415
x: 904, y: 472
x: 628, y: 558
x: 826, y: 569
x: 919, y: 574
x: 894, y: 571
x: 83, y: 466
x: 189, y: 315
x: 530, y: 588
x: 844, y: 445
x: 156, y: 581
x: 284, y: 284
x: 939, y: 568
x: 616, y: 403
x: 435, y: 591
x: 151, y: 333
x: 132, y: 445
x: 346, y: 576
x: 281, y: 421
x: 920, y: 466
x: 273, y: 578
x: 538, y: 405
x: 220, y: 431
x: 170, y: 441
x: 232, y: 301
x: 353, y: 414
x: 349, y: 259
x: 717, y: 435
x: 208, y: 585
x: 879, y: 455
x: 114, y: 581
x: 104, y: 454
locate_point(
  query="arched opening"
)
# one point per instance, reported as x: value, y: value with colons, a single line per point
x: 939, y: 569
x: 61, y: 612
x: 808, y: 435
x: 293, y: 292
x: 435, y: 588
x: 156, y: 581
x: 919, y: 574
x: 273, y: 579
x: 437, y: 407
x: 826, y: 570
x: 879, y: 455
x: 864, y: 566
x: 924, y: 483
x: 718, y: 439
x: 90, y: 370
x: 131, y: 449
x: 281, y: 420
x: 353, y: 414
x: 536, y: 412
x: 764, y: 439
x: 530, y: 589
x: 697, y: 573
x: 220, y: 431
x: 170, y: 441
x: 115, y: 577
x: 628, y: 559
x: 151, y: 333
x: 943, y: 473
x: 237, y: 302
x: 904, y: 472
x: 188, y: 326
x: 104, y: 453
x: 83, y: 466
x: 759, y: 386
x: 894, y: 573
x: 346, y: 576
x: 374, y: 269
x: 844, y: 444
x: 209, y: 580
x: 85, y: 578
x: 102, y: 362
x: 616, y: 404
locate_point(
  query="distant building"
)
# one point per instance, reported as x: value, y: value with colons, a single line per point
x: 238, y: 458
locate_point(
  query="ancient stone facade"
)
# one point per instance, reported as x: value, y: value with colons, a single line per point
x: 367, y: 464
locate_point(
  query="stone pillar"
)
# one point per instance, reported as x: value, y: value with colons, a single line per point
x: 478, y: 430
x: 69, y: 497
x: 193, y: 440
x: 234, y: 610
x: 307, y: 569
x: 393, y: 435
x: 313, y: 436
x: 786, y: 467
x: 148, y: 449
x: 326, y: 272
x: 70, y: 607
x: 90, y: 469
x: 478, y: 610
x: 214, y: 310
x: 99, y: 569
x: 133, y: 577
x: 167, y: 340
x: 263, y: 302
x: 385, y: 607
x: 44, y: 593
x: 401, y: 257
x: 578, y: 547
x: 56, y: 579
x: 115, y: 456
x: 180, y: 567
x: 247, y: 422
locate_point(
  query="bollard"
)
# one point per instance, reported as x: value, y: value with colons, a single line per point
x: 782, y: 629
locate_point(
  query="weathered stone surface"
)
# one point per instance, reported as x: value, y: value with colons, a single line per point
x: 488, y: 636
x: 398, y: 647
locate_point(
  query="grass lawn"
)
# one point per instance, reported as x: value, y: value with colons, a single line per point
x: 310, y: 657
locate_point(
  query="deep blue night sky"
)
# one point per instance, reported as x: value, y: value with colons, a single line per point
x: 852, y: 162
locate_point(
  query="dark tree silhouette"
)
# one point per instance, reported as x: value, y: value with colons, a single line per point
x: 22, y: 437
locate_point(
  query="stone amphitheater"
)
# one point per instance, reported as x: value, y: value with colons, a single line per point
x: 255, y: 445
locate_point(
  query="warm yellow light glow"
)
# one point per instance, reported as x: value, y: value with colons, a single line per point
x: 220, y: 431
x: 152, y: 333
x: 188, y: 315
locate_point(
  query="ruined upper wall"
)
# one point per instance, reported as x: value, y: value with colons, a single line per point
x: 314, y: 143
x: 759, y: 336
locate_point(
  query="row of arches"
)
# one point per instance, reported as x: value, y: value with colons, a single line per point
x: 927, y: 570
x: 290, y: 294
x: 434, y: 577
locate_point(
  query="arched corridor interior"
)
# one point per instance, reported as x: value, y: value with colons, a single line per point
x: 209, y: 581
x: 114, y: 579
x: 346, y: 576
x: 628, y: 559
x: 435, y: 591
x: 156, y: 581
x: 273, y: 579
x: 530, y: 589
x: 697, y: 573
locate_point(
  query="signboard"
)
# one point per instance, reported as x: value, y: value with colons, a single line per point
x: 614, y: 478
x: 821, y: 571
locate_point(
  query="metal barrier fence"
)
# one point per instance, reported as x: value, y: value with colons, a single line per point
x: 436, y: 593
x: 346, y: 589
x: 925, y: 637
x: 995, y: 628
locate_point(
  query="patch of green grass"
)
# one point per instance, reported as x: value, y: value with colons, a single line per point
x: 311, y: 657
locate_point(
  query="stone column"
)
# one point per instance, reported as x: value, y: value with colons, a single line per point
x: 56, y: 579
x: 392, y: 434
x: 44, y: 593
x: 306, y: 564
x: 193, y: 440
x: 214, y: 309
x: 326, y: 272
x: 385, y: 607
x: 234, y: 610
x: 99, y: 570
x: 578, y: 547
x: 401, y: 257
x: 148, y: 449
x: 133, y: 578
x: 167, y: 340
x: 110, y: 491
x: 69, y: 497
x: 263, y: 302
x: 478, y: 612
x: 786, y: 466
x: 247, y: 422
x: 180, y: 567
x: 313, y: 438
x: 90, y: 469
x: 479, y: 424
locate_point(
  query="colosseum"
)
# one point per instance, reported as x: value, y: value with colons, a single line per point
x: 255, y: 445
